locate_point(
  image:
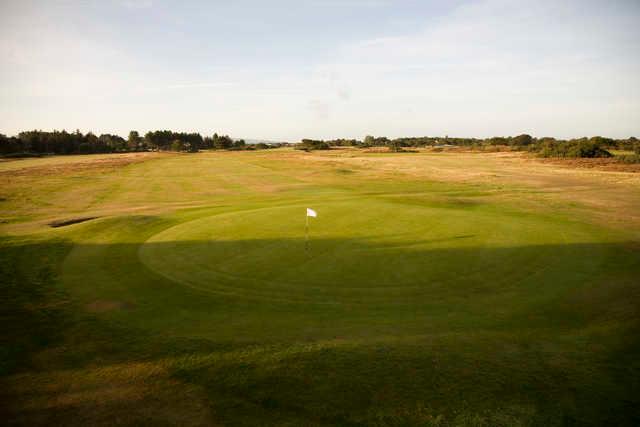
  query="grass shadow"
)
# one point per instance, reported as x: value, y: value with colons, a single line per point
x: 551, y: 342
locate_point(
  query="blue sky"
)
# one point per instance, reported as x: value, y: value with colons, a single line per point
x: 284, y: 70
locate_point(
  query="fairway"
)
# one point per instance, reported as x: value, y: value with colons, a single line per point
x: 438, y: 289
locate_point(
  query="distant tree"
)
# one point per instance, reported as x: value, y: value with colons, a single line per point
x: 109, y: 143
x: 29, y: 139
x: 381, y: 141
x: 163, y: 139
x: 368, y: 141
x: 134, y: 142
x: 10, y: 145
x: 497, y: 140
x: 600, y: 141
x: 580, y: 148
x: 221, y: 142
x: 148, y: 140
x: 177, y: 145
x: 547, y: 139
x: 193, y: 141
x: 587, y: 149
x: 340, y: 142
x: 522, y: 140
x: 91, y: 142
x: 312, y: 144
x: 395, y: 146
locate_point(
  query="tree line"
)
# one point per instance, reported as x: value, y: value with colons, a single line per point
x: 37, y: 142
x: 596, y: 146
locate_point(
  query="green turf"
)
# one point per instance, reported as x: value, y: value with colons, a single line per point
x: 194, y: 300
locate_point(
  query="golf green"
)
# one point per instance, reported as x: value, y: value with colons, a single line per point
x: 365, y: 251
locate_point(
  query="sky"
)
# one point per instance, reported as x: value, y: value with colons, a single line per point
x: 286, y: 70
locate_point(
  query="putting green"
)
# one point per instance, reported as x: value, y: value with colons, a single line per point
x: 361, y: 251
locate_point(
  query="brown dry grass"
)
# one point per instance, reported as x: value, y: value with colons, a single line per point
x: 608, y: 164
x: 94, y: 185
x: 63, y: 165
x: 605, y: 195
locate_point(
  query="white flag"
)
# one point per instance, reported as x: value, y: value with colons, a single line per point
x: 311, y: 212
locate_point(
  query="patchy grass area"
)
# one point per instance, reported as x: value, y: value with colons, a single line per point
x: 439, y: 289
x: 620, y: 163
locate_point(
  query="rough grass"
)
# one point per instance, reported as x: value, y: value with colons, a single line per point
x: 490, y: 296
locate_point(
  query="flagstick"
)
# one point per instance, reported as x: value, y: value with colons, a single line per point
x: 306, y: 235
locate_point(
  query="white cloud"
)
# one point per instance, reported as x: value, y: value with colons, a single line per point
x: 137, y: 4
x: 496, y: 67
x: 200, y: 85
x: 319, y: 108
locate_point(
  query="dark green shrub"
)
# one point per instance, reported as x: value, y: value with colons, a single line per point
x: 588, y: 149
x: 312, y: 144
x: 629, y: 158
x: 521, y: 140
x: 576, y: 148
